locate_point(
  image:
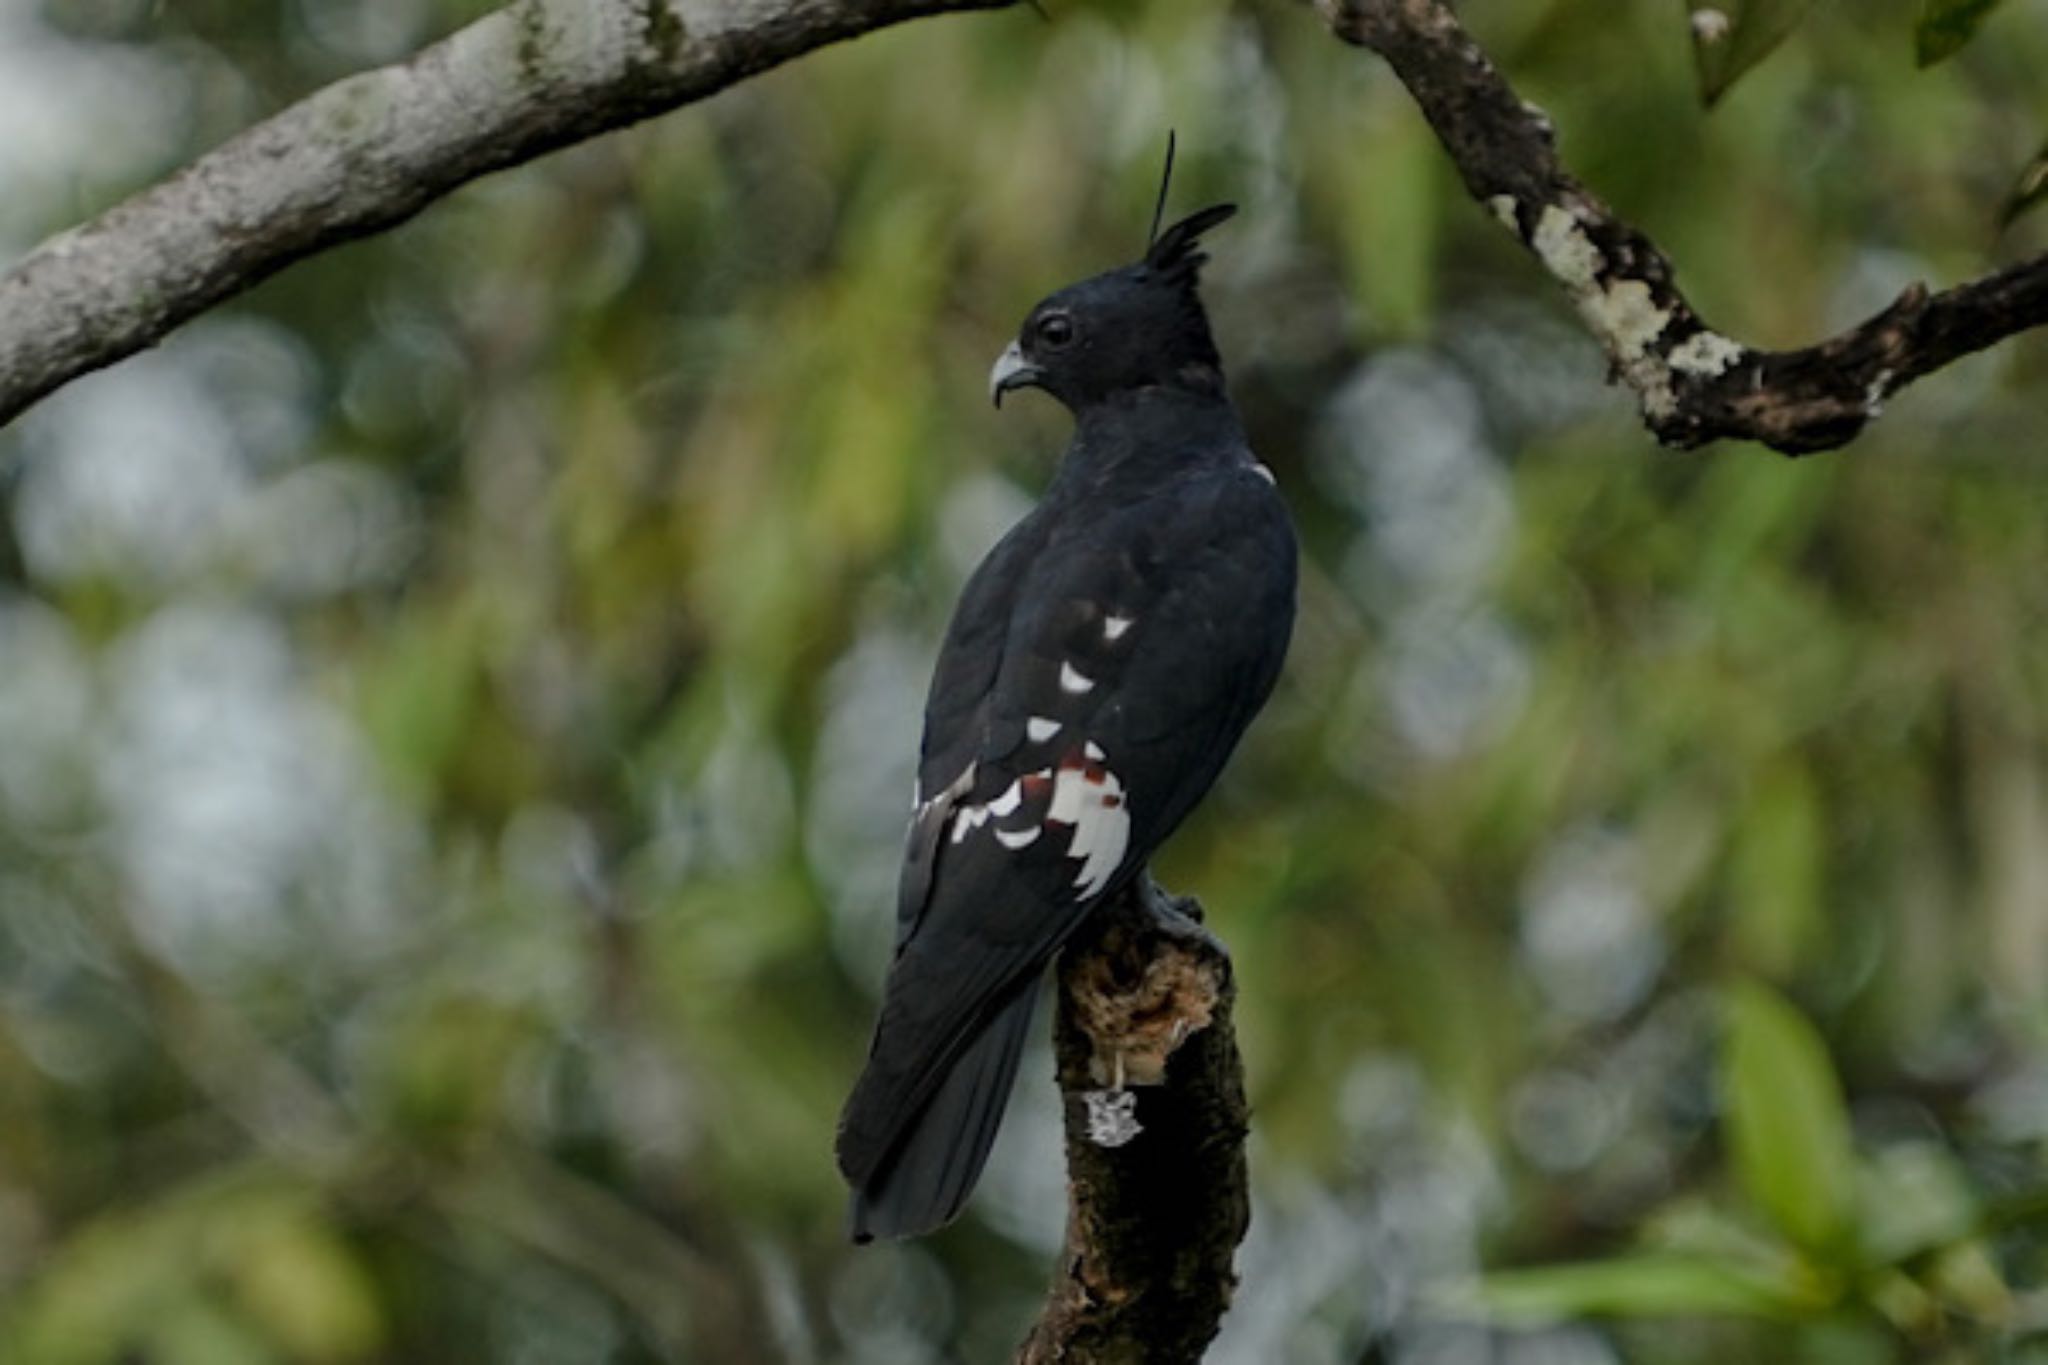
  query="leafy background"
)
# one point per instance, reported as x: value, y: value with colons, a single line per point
x: 457, y: 704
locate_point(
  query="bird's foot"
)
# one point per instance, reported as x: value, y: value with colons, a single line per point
x: 1179, y: 918
x: 1141, y: 979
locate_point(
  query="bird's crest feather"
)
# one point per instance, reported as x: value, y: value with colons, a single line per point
x: 1175, y: 253
x: 1172, y: 254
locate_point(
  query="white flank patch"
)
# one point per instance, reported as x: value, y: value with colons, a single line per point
x: 1038, y: 729
x: 1265, y: 474
x: 1102, y: 826
x: 1073, y: 680
x: 1113, y: 627
x: 1018, y: 838
x: 972, y: 818
x: 1012, y: 797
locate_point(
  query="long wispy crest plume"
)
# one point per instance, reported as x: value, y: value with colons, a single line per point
x: 1165, y: 184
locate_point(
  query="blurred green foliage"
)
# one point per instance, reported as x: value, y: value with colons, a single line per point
x: 1729, y: 39
x: 457, y: 704
x: 1945, y: 25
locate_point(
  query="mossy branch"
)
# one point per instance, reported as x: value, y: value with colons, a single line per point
x: 1692, y: 384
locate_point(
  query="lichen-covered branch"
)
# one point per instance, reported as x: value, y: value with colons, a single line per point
x: 1694, y: 385
x: 372, y: 150
x: 1156, y: 1122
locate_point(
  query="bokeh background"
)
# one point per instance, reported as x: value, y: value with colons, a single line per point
x: 457, y: 707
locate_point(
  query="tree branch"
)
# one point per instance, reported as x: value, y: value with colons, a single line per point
x: 1153, y: 1219
x: 1694, y: 385
x: 370, y: 151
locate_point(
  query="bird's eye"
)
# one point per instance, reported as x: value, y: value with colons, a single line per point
x: 1056, y: 330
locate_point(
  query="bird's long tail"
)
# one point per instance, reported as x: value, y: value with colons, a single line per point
x: 935, y: 1162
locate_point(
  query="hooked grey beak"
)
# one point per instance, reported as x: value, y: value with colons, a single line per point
x: 1012, y: 371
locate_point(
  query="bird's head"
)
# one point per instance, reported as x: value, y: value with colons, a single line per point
x: 1126, y: 329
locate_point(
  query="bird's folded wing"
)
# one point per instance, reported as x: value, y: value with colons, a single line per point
x: 1127, y: 677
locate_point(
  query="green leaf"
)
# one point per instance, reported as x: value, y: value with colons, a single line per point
x: 1786, y: 1122
x: 1731, y: 36
x: 1776, y: 883
x: 196, y: 1331
x: 1945, y: 25
x: 1648, y: 1286
x: 1967, y: 1276
x: 2029, y: 190
x: 1912, y: 1198
x: 302, y: 1284
x: 419, y: 696
x: 1390, y: 210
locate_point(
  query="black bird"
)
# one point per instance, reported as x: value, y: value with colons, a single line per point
x: 1100, y: 667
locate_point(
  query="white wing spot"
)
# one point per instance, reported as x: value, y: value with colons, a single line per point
x: 1264, y: 473
x: 1113, y: 627
x: 1073, y: 680
x: 1093, y: 750
x: 1018, y: 838
x: 1092, y: 801
x: 1039, y: 729
x: 970, y: 819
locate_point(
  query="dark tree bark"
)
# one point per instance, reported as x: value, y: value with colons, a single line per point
x: 1156, y: 1121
